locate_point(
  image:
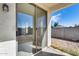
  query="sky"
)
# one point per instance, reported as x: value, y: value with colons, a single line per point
x: 66, y: 17
x: 24, y: 20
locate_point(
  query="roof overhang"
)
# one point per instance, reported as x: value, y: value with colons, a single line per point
x: 51, y: 7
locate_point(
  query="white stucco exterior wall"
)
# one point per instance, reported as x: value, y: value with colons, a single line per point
x: 8, y: 31
x: 49, y: 30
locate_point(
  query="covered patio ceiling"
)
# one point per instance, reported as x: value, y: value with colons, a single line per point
x: 53, y: 6
x: 49, y: 7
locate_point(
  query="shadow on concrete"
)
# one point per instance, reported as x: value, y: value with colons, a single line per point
x: 42, y: 53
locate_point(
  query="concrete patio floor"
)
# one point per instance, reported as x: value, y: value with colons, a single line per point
x: 49, y: 51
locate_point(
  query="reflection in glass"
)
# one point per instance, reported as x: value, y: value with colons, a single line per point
x: 40, y: 27
x: 24, y: 32
x: 30, y: 29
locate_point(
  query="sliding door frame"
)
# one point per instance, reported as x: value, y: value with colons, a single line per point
x: 35, y: 19
x: 34, y: 22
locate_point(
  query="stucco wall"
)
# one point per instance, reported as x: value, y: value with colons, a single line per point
x: 49, y: 29
x: 8, y: 30
x: 8, y: 23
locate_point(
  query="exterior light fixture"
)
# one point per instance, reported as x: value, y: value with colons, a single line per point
x: 5, y: 7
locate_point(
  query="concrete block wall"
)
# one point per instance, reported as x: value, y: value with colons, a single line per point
x: 69, y: 33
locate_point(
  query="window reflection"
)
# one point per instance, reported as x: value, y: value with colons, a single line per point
x: 24, y: 32
x: 24, y: 26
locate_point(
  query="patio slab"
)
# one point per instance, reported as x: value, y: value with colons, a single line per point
x: 49, y: 51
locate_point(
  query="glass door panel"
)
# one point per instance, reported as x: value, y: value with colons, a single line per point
x: 25, y: 28
x: 40, y: 27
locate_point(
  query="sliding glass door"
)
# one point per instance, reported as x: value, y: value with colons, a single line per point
x: 40, y: 27
x: 25, y: 28
x: 31, y: 27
